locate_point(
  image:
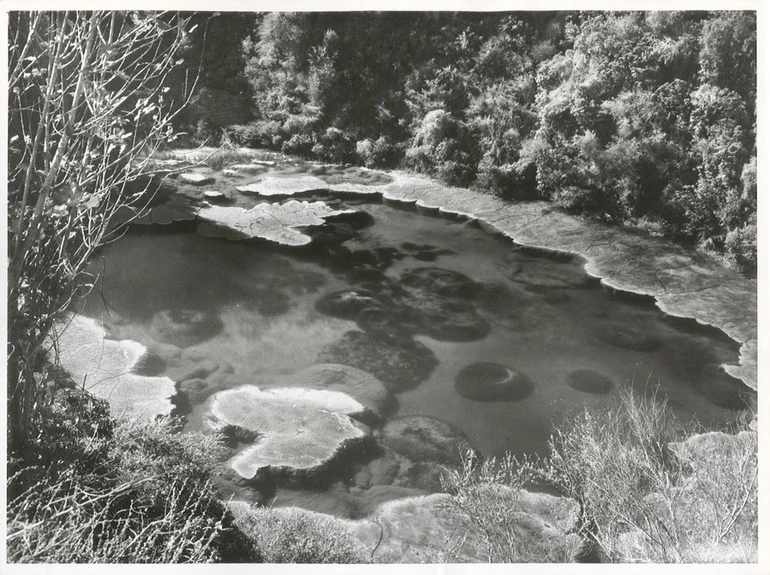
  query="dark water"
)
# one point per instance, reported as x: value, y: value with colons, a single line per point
x: 545, y: 318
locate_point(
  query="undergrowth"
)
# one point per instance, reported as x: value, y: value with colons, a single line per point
x: 647, y: 490
x: 486, y: 496
x: 294, y: 536
x: 128, y: 492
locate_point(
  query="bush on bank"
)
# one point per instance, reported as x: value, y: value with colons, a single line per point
x: 105, y: 491
x: 647, y: 489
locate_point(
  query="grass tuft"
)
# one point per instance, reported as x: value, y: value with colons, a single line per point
x: 144, y: 497
x: 296, y: 536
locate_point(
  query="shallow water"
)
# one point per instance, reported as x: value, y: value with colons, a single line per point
x: 546, y: 317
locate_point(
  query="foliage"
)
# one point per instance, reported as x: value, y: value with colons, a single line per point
x: 139, y: 494
x: 88, y: 99
x: 295, y: 536
x: 485, y: 495
x: 640, y: 502
x: 621, y: 115
x: 645, y: 492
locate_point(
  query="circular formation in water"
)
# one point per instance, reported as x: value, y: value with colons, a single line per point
x: 184, y: 327
x: 399, y: 366
x: 487, y: 381
x: 589, y: 381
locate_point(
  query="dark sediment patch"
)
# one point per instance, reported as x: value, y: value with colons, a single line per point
x: 184, y: 327
x: 589, y: 381
x: 399, y: 366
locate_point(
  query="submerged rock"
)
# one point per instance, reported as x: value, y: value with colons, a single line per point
x: 443, y: 318
x: 589, y: 381
x: 107, y: 369
x: 184, y: 327
x: 360, y: 385
x: 296, y: 434
x: 424, y: 439
x: 438, y: 281
x: 399, y: 366
x: 346, y: 304
x: 628, y: 337
x: 383, y: 325
x: 486, y: 381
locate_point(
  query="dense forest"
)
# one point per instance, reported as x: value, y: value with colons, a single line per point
x: 641, y: 118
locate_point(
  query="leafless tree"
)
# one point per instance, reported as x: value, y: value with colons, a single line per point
x: 90, y: 99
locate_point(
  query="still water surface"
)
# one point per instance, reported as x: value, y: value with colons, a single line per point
x: 546, y: 319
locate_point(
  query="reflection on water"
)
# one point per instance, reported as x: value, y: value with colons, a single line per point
x: 414, y: 300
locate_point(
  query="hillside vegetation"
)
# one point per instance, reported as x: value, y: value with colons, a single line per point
x: 644, y: 118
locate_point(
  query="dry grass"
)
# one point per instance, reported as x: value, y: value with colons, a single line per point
x: 295, y: 536
x: 648, y: 489
x: 642, y: 503
x: 485, y: 495
x: 144, y: 498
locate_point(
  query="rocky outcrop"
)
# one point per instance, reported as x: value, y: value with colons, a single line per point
x: 106, y: 368
x: 195, y: 179
x: 273, y: 222
x: 294, y: 434
x: 360, y: 385
x: 270, y: 186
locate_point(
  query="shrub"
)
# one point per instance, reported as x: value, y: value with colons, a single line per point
x: 74, y: 156
x: 299, y: 145
x: 335, y: 146
x: 296, y: 536
x: 145, y: 497
x: 381, y: 153
x: 641, y: 502
x: 485, y: 496
x: 245, y: 135
x: 443, y: 146
x: 507, y: 181
x: 741, y: 247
